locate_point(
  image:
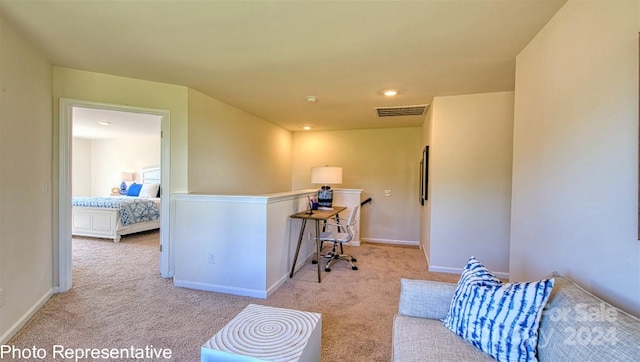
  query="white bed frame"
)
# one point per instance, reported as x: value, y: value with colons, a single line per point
x: 105, y: 223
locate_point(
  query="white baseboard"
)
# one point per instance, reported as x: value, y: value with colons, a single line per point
x: 391, y: 241
x: 277, y: 284
x: 242, y: 291
x: 426, y: 256
x: 220, y: 289
x: 25, y: 317
x: 444, y: 269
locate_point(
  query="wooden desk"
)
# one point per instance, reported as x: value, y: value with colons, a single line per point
x: 318, y: 215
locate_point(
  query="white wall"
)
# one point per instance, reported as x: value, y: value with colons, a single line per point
x: 112, y: 156
x: 97, y: 164
x: 81, y: 167
x: 220, y: 253
x: 234, y: 152
x: 470, y: 177
x: 25, y: 168
x: 373, y: 160
x: 575, y: 177
x: 425, y: 215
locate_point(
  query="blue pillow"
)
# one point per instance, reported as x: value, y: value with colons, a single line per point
x: 500, y: 319
x: 134, y: 189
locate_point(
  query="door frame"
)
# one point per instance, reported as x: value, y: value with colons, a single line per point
x: 64, y: 181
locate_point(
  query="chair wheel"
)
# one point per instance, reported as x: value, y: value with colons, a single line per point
x: 314, y: 261
x: 327, y: 269
x: 354, y: 267
x: 353, y: 260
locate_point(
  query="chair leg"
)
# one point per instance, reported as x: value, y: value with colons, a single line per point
x: 333, y: 255
x: 317, y: 259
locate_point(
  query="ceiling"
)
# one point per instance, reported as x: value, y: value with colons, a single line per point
x: 92, y: 123
x: 266, y: 57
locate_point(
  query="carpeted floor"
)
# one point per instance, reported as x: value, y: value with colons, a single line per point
x: 119, y: 300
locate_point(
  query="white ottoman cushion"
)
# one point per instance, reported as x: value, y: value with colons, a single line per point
x: 261, y: 333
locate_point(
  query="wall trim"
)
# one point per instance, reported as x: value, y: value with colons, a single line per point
x: 254, y: 199
x: 25, y: 317
x: 445, y: 269
x: 390, y: 241
x: 284, y: 278
x: 238, y: 199
x: 426, y: 256
x: 220, y: 288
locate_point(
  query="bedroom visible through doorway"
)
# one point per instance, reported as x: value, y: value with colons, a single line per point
x: 116, y: 157
x: 101, y: 147
x: 107, y: 145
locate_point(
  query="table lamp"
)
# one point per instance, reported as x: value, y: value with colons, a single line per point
x: 125, y: 177
x: 326, y: 175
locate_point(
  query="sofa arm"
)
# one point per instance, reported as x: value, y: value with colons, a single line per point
x: 425, y: 299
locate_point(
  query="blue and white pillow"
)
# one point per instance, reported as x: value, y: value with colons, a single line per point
x: 500, y: 319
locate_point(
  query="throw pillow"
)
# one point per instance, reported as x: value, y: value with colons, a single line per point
x: 149, y: 190
x: 500, y: 319
x: 134, y: 189
x: 473, y: 273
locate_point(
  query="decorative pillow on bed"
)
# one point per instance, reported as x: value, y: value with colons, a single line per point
x: 500, y: 319
x: 134, y: 189
x: 149, y: 190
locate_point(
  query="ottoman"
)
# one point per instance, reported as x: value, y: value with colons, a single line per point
x: 261, y: 333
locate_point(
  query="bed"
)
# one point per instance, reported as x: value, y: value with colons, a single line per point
x: 114, y: 216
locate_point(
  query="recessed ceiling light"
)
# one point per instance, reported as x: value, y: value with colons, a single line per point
x: 306, y: 128
x: 104, y: 123
x: 312, y: 99
x: 390, y: 92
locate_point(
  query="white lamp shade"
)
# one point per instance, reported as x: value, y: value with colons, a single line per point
x: 126, y: 176
x: 326, y: 175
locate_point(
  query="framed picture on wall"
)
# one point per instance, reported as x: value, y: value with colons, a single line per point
x: 424, y: 175
x: 421, y: 195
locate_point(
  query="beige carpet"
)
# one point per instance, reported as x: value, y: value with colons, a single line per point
x: 119, y: 300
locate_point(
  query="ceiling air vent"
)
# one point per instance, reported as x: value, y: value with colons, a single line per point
x: 401, y: 111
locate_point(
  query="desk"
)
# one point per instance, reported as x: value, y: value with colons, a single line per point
x: 318, y: 215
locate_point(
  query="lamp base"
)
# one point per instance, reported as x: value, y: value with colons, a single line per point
x: 325, y: 198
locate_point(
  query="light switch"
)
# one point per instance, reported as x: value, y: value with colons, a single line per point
x: 387, y: 192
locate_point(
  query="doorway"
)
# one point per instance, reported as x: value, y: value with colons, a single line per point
x: 67, y: 107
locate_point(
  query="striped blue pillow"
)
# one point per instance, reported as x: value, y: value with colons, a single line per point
x: 500, y: 319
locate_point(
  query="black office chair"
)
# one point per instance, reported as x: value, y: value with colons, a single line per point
x: 340, y: 232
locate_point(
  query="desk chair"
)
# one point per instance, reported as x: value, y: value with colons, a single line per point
x: 340, y: 232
